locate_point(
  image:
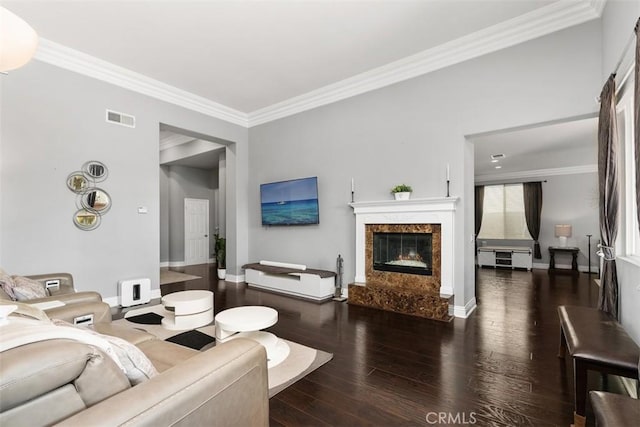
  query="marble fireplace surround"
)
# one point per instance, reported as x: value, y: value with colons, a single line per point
x: 414, y: 211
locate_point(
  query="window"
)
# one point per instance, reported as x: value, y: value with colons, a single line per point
x: 503, y: 213
x: 629, y: 233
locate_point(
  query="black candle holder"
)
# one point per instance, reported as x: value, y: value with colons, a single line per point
x: 448, y: 187
x: 352, y: 196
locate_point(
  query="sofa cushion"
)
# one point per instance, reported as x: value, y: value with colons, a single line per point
x: 135, y: 364
x: 25, y: 328
x: 24, y: 289
x: 165, y: 355
x: 134, y: 336
x: 27, y: 374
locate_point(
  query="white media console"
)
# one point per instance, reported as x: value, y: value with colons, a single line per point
x: 505, y: 256
x: 291, y: 279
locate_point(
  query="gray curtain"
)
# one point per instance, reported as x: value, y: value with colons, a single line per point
x: 636, y: 122
x: 532, y: 210
x: 609, y: 200
x: 479, y: 193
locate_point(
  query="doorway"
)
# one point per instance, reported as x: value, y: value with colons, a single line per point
x: 192, y: 196
x: 196, y: 231
x: 562, y: 155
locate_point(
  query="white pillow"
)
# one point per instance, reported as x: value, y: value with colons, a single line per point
x: 284, y: 264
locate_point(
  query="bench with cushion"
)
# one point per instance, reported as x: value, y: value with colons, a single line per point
x: 614, y: 410
x: 597, y: 342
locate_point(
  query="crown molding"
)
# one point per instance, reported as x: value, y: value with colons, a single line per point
x: 73, y: 60
x: 540, y: 22
x: 537, y: 173
x: 598, y: 6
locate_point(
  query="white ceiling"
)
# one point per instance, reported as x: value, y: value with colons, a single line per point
x: 248, y: 55
x: 191, y: 157
x: 566, y: 145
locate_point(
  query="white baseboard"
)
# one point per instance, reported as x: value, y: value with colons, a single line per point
x: 239, y: 278
x: 582, y: 268
x: 165, y: 264
x: 466, y: 310
x: 115, y: 301
x: 174, y: 264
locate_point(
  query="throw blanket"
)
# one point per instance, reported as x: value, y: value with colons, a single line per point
x: 130, y: 359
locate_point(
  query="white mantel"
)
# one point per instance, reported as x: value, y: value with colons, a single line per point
x: 435, y: 210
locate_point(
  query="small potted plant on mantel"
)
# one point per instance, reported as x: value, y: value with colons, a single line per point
x: 402, y: 192
x: 220, y: 245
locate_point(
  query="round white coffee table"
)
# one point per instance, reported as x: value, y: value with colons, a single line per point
x: 188, y: 309
x: 246, y: 322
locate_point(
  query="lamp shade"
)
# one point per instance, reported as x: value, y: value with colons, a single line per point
x: 563, y: 230
x: 18, y: 41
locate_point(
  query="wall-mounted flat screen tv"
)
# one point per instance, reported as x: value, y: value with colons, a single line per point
x: 293, y: 202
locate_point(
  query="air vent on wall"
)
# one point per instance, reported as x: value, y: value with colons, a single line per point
x: 497, y: 156
x: 121, y: 119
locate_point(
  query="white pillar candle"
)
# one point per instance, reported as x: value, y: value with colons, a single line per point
x: 353, y: 185
x: 447, y: 171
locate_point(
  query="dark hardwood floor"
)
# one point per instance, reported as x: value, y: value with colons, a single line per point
x: 496, y: 368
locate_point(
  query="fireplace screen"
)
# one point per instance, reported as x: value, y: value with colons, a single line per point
x: 403, y: 252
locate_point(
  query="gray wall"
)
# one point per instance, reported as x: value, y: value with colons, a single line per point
x: 164, y: 214
x: 184, y: 182
x: 406, y: 133
x: 618, y: 21
x: 566, y: 199
x: 52, y: 122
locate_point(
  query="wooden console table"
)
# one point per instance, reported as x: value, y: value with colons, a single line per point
x: 570, y: 250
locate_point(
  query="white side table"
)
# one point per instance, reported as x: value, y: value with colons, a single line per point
x: 188, y: 309
x: 246, y: 322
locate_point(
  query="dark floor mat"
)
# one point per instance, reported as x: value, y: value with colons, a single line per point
x: 192, y: 339
x: 146, y: 319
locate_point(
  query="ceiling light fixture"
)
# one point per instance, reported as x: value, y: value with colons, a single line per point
x: 498, y: 167
x: 497, y: 156
x: 494, y: 161
x: 18, y: 41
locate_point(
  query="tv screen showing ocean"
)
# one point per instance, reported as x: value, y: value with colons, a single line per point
x: 294, y: 212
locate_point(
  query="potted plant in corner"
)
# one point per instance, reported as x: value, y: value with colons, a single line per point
x: 402, y: 192
x: 220, y: 245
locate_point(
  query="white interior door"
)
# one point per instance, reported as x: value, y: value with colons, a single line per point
x: 196, y: 231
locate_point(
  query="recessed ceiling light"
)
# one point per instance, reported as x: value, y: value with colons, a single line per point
x: 497, y: 156
x: 494, y: 161
x: 498, y: 167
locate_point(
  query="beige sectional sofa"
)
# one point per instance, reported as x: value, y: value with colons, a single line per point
x: 68, y: 382
x: 72, y: 304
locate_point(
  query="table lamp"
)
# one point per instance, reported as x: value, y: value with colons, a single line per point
x: 563, y: 231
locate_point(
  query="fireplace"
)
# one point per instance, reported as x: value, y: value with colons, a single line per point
x: 409, y: 253
x: 404, y: 256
